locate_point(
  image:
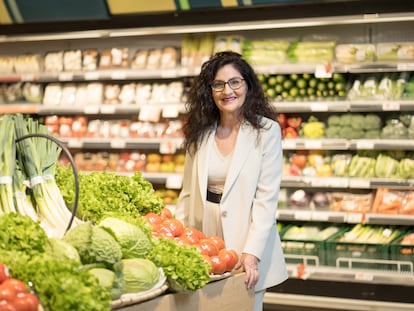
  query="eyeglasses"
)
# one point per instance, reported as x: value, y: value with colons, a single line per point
x: 234, y: 84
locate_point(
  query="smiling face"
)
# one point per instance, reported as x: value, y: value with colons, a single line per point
x: 229, y: 101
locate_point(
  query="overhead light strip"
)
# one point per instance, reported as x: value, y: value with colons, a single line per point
x: 220, y: 27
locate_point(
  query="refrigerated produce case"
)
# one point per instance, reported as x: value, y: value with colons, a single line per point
x: 313, y: 277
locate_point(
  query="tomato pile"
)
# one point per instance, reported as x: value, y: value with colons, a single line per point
x: 213, y: 248
x: 14, y: 295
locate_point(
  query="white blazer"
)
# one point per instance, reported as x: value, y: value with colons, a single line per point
x: 249, y: 200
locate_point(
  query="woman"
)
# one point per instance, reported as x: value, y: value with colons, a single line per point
x: 233, y: 168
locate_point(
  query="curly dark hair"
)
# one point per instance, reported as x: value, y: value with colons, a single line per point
x: 203, y: 114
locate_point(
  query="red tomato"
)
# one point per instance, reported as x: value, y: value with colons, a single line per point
x: 228, y: 258
x: 218, y: 265
x: 154, y: 220
x: 174, y: 226
x: 26, y: 302
x: 192, y: 234
x: 166, y: 213
x: 16, y: 284
x: 209, y: 247
x: 7, y: 293
x: 182, y: 240
x: 4, y: 272
x: 164, y: 232
x: 217, y: 241
x: 6, y: 306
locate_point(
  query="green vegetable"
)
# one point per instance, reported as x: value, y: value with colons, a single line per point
x: 358, y: 121
x: 7, y: 164
x: 406, y: 168
x: 21, y: 233
x: 361, y: 166
x: 134, y: 242
x: 94, y: 244
x: 183, y: 266
x: 62, y: 249
x: 386, y: 167
x: 139, y: 275
x: 103, y: 192
x: 61, y: 284
x: 37, y: 157
x: 372, y: 121
x: 111, y: 280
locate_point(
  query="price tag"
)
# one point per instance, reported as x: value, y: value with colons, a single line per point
x: 289, y: 143
x: 171, y: 73
x: 339, y: 182
x: 365, y: 144
x: 167, y: 147
x: 108, y: 109
x: 359, y: 183
x: 170, y: 111
x: 91, y: 109
x: 65, y: 76
x: 319, y: 182
x: 405, y: 66
x: 364, y: 276
x: 118, y: 143
x: 324, y: 71
x: 27, y: 77
x: 118, y: 75
x: 75, y: 143
x: 391, y: 106
x: 354, y: 218
x: 174, y: 181
x: 149, y: 113
x: 320, y: 216
x: 92, y: 75
x: 313, y: 144
x: 303, y: 215
x: 319, y: 107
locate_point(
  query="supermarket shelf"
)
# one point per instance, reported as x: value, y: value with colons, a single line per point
x: 273, y: 301
x: 287, y: 214
x: 164, y: 145
x: 345, y: 182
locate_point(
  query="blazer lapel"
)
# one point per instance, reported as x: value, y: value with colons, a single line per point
x: 246, y: 140
x: 202, y: 164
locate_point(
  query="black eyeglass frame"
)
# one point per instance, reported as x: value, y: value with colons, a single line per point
x: 224, y: 84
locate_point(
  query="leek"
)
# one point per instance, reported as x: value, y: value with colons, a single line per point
x: 38, y: 157
x: 7, y: 164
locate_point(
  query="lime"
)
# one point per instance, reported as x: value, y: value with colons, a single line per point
x: 287, y: 84
x: 301, y: 83
x: 280, y: 78
x: 271, y: 81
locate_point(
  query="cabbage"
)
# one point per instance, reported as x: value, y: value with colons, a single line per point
x: 62, y: 249
x: 132, y: 239
x: 139, y: 275
x: 94, y: 244
x: 406, y: 168
x: 110, y: 280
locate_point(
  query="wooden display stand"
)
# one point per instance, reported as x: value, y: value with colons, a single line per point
x: 225, y: 295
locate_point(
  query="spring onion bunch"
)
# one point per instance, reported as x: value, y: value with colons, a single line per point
x: 7, y: 164
x: 38, y: 157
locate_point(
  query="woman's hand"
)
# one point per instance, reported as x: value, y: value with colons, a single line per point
x: 250, y: 266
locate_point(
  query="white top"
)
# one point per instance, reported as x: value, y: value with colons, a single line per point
x: 218, y: 167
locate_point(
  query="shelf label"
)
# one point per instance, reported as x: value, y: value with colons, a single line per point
x: 303, y: 215
x: 149, y: 113
x: 319, y: 107
x: 65, y: 76
x: 167, y: 147
x: 354, y: 218
x: 365, y: 144
x: 171, y: 73
x: 313, y: 144
x: 339, y: 182
x: 75, y: 143
x: 118, y: 143
x: 174, y: 181
x: 364, y: 276
x: 118, y: 75
x: 92, y: 75
x: 359, y: 183
x: 289, y: 143
x: 108, y: 109
x: 28, y: 77
x: 91, y: 109
x: 324, y: 71
x: 405, y: 66
x: 170, y: 111
x: 320, y: 216
x: 391, y: 106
